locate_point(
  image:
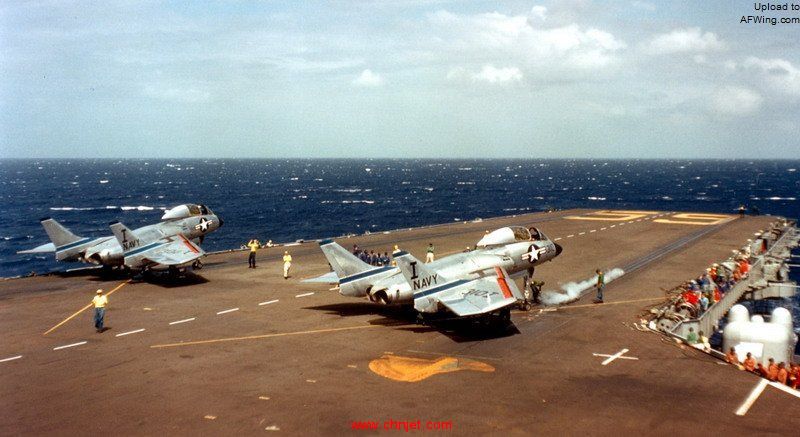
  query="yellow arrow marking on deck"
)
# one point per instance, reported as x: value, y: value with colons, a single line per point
x: 408, y: 369
x: 84, y: 308
x: 254, y: 337
x: 695, y: 219
x: 615, y: 216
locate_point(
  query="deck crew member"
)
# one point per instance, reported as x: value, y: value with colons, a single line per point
x: 772, y: 370
x: 600, y: 285
x: 429, y: 256
x: 100, y: 301
x: 691, y: 337
x: 783, y: 374
x: 731, y: 357
x: 254, y: 245
x: 750, y: 363
x: 536, y: 290
x: 287, y: 264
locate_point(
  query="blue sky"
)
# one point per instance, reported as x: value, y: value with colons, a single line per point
x: 517, y: 79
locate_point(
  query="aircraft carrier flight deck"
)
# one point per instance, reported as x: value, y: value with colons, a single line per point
x: 231, y: 350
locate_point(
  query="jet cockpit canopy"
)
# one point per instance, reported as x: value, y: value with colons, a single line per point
x: 186, y: 211
x: 507, y: 235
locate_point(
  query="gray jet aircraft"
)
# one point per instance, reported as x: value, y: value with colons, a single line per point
x: 515, y: 250
x: 171, y: 243
x: 492, y: 292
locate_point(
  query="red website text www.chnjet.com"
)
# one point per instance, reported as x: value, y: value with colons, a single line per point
x: 402, y: 425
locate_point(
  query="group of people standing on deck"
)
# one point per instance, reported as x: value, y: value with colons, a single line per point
x: 708, y: 288
x: 372, y: 258
x: 787, y: 375
x: 376, y: 259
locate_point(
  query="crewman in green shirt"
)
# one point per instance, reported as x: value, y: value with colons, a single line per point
x: 601, y: 284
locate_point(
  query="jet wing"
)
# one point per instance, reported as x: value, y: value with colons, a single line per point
x: 173, y: 251
x: 327, y: 278
x: 44, y: 248
x: 479, y: 296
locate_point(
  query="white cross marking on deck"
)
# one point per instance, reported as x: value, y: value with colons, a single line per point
x: 129, y: 332
x: 268, y: 302
x: 782, y: 387
x: 227, y: 311
x: 181, y: 321
x: 618, y: 355
x: 69, y: 345
x: 304, y: 294
x: 10, y: 359
x: 754, y: 394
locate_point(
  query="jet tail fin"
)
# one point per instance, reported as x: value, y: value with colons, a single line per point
x: 58, y: 234
x: 416, y: 273
x: 126, y: 238
x: 342, y: 261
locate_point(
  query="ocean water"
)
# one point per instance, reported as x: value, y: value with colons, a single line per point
x: 287, y: 200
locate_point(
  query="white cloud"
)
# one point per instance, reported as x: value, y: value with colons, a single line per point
x: 684, y: 40
x: 779, y: 73
x: 177, y: 94
x: 498, y: 75
x: 488, y: 73
x: 539, y: 12
x: 736, y: 101
x: 514, y: 37
x: 368, y: 78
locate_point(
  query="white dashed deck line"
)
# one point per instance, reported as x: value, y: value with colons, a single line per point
x: 304, y: 294
x: 582, y: 233
x: 613, y: 226
x: 751, y: 399
x: 269, y: 302
x: 227, y: 311
x: 135, y: 331
x: 570, y: 236
x: 58, y: 348
x: 593, y: 230
x: 181, y: 321
x: 556, y: 239
x: 10, y: 358
x: 603, y: 229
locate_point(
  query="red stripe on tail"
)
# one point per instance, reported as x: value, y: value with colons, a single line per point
x: 189, y: 244
x: 501, y: 280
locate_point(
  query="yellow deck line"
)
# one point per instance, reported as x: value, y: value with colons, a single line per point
x: 84, y: 308
x: 254, y: 337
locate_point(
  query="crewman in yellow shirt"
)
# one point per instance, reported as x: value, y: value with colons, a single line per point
x: 287, y: 264
x: 100, y: 301
x: 254, y: 245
